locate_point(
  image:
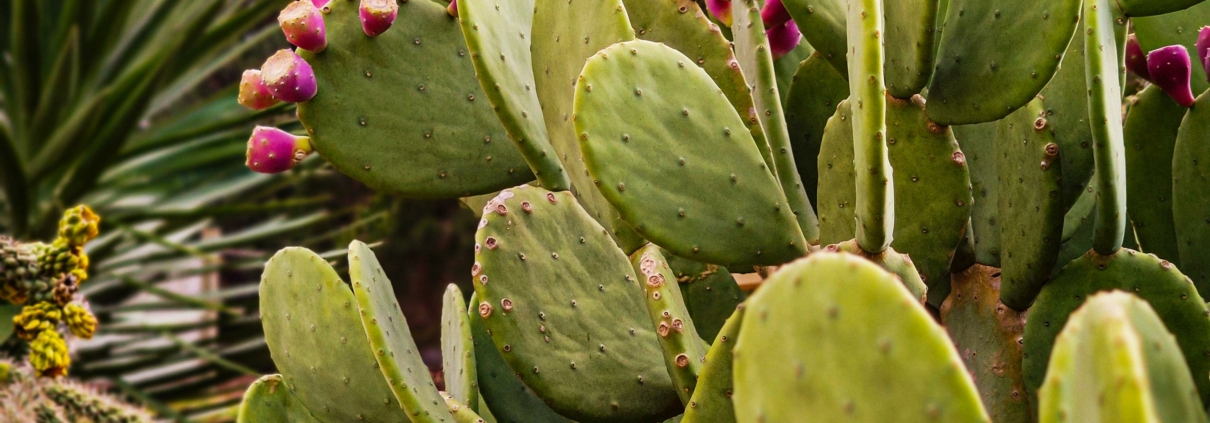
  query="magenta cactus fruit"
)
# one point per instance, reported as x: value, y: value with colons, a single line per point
x: 289, y: 77
x: 319, y: 4
x: 303, y: 24
x: 377, y: 16
x: 1136, y: 59
x: 783, y: 38
x: 774, y: 14
x: 1203, y: 48
x: 721, y: 9
x: 1170, y: 69
x: 271, y: 150
x: 253, y: 93
x: 452, y: 9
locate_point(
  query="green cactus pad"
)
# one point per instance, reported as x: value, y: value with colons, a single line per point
x: 837, y: 179
x: 647, y: 116
x: 680, y: 24
x: 1115, y: 362
x: 1191, y: 193
x: 268, y: 400
x: 1102, y: 67
x: 450, y: 144
x: 457, y: 349
x: 978, y: 144
x: 784, y: 68
x: 1149, y: 136
x: 987, y: 335
x: 503, y: 393
x: 711, y: 402
x: 461, y: 412
x: 822, y: 23
x: 875, y: 205
x: 1176, y: 28
x: 1029, y: 172
x: 564, y: 307
x: 1077, y: 227
x: 683, y: 349
x: 815, y: 92
x: 1169, y: 292
x: 565, y: 35
x: 898, y: 264
x: 710, y: 293
x: 985, y: 70
x: 754, y: 56
x: 317, y: 341
x: 1066, y: 103
x: 817, y: 310
x: 390, y: 339
x: 1140, y: 8
x: 910, y: 27
x: 498, y: 39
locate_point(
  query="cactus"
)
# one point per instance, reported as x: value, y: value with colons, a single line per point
x: 711, y: 402
x: 457, y: 349
x: 1115, y: 362
x: 683, y: 350
x: 1176, y: 28
x: 25, y: 397
x: 816, y: 91
x: 710, y: 292
x: 270, y: 400
x: 1189, y: 194
x: 1149, y: 136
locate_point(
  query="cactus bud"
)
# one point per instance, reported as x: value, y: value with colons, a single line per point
x: 377, y: 16
x: 452, y: 9
x: 1170, y: 69
x: 271, y: 150
x: 783, y: 38
x: 253, y: 93
x: 1203, y: 49
x: 774, y: 14
x: 303, y: 25
x: 721, y: 9
x: 1136, y: 60
x: 289, y: 77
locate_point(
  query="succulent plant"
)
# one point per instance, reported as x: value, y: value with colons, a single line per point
x: 25, y: 397
x: 659, y: 173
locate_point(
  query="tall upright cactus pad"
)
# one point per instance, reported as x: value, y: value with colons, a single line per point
x: 910, y: 30
x: 837, y: 178
x: 503, y: 393
x: 984, y: 69
x: 1179, y: 27
x: 979, y: 145
x: 673, y: 157
x: 875, y: 205
x: 498, y: 36
x: 684, y: 350
x: 323, y: 352
x: 754, y: 55
x: 1030, y: 177
x: 1191, y: 193
x: 462, y: 413
x: 1101, y: 69
x: 815, y: 92
x: 564, y: 307
x: 680, y: 24
x: 565, y: 35
x: 1077, y: 227
x: 822, y: 23
x: 1115, y: 362
x: 390, y: 338
x: 710, y: 292
x: 1158, y: 282
x: 268, y: 400
x: 817, y: 310
x: 711, y: 401
x: 457, y: 349
x: 1149, y: 137
x: 987, y: 334
x: 1065, y: 100
x: 450, y: 144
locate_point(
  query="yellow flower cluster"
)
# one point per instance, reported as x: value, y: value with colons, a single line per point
x: 35, y: 319
x: 48, y: 354
x: 78, y: 226
x: 82, y: 323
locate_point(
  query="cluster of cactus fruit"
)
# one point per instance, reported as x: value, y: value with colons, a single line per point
x: 26, y: 398
x: 960, y: 210
x: 45, y: 279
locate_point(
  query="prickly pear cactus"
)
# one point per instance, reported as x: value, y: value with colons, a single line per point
x: 816, y: 310
x: 1150, y: 134
x: 710, y: 291
x: 1190, y: 203
x: 711, y: 402
x: 457, y: 350
x: 684, y: 351
x: 269, y: 400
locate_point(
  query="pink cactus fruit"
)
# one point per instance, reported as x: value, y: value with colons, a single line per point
x: 1170, y: 69
x: 303, y: 25
x: 289, y: 77
x: 377, y: 16
x: 253, y: 93
x: 271, y: 150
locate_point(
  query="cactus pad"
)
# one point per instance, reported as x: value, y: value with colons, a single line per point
x: 815, y: 92
x: 503, y: 394
x: 910, y: 28
x: 837, y: 179
x: 449, y: 145
x: 647, y: 116
x: 1029, y: 173
x: 268, y: 400
x: 710, y: 293
x: 498, y: 37
x: 711, y: 401
x: 1191, y: 193
x: 683, y: 349
x: 1065, y: 100
x: 981, y: 75
x: 816, y: 310
x: 898, y: 264
x: 457, y: 349
x: 323, y: 353
x: 1149, y: 136
x: 1158, y: 282
x: 978, y: 144
x: 564, y: 307
x: 1115, y: 362
x: 987, y: 334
